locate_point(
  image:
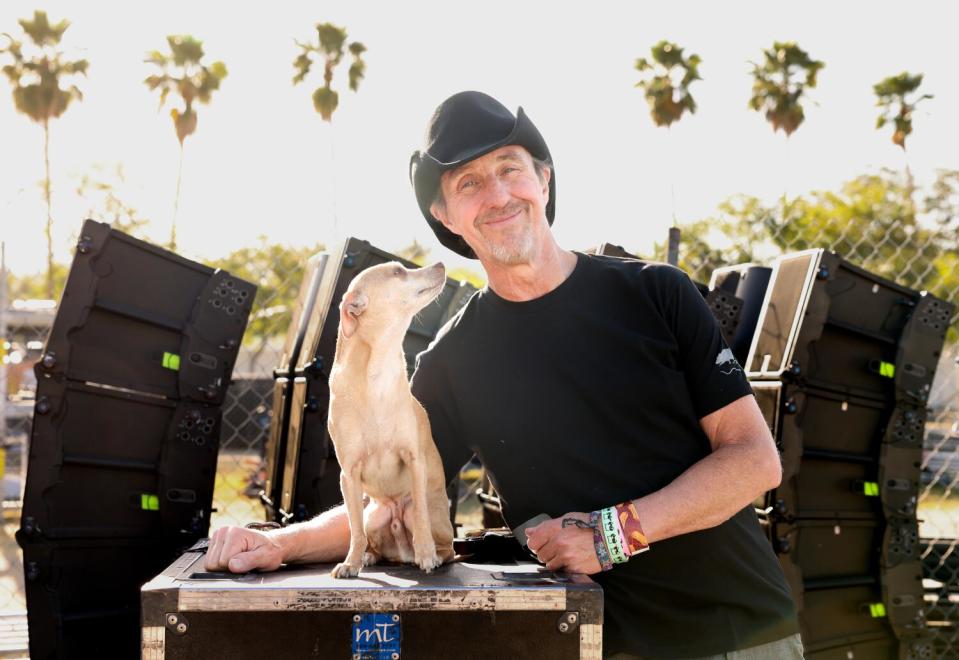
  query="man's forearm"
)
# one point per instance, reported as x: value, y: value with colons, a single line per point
x: 707, y: 494
x: 325, y: 538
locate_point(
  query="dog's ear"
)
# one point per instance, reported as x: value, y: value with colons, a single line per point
x: 352, y: 305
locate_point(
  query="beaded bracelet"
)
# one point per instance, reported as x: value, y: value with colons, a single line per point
x: 612, y: 536
x: 598, y: 543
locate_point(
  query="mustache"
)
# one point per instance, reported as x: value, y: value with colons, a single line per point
x: 498, y: 214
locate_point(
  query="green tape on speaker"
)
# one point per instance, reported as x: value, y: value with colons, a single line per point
x: 877, y: 610
x: 171, y: 361
x: 870, y: 488
x: 149, y: 502
x: 887, y: 369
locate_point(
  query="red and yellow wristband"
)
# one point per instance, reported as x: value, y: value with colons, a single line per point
x: 632, y: 530
x: 617, y: 534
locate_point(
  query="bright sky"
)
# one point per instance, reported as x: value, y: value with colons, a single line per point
x: 260, y: 161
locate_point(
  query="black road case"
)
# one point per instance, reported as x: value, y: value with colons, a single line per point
x: 462, y: 610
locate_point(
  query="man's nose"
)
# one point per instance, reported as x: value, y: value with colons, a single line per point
x: 497, y: 193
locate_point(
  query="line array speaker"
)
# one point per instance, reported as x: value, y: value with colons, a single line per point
x: 842, y: 363
x: 747, y: 283
x: 836, y: 326
x: 125, y: 436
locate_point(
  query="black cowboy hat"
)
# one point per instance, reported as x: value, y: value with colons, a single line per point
x: 464, y: 127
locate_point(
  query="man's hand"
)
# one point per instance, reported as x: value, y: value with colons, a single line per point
x: 238, y: 549
x: 565, y: 544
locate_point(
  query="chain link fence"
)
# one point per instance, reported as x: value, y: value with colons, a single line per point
x: 901, y: 251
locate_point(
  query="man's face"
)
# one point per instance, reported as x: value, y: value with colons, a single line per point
x: 497, y: 204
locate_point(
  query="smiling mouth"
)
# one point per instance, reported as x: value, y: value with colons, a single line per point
x: 501, y: 220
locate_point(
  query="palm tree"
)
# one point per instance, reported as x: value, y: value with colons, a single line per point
x: 775, y: 88
x: 183, y: 72
x: 891, y: 92
x: 329, y: 47
x: 778, y: 87
x: 35, y: 76
x: 668, y: 98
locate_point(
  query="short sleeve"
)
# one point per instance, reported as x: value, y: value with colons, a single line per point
x: 431, y: 388
x: 714, y: 377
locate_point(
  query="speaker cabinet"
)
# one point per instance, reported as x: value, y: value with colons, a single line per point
x: 111, y: 464
x: 841, y: 364
x: 872, y: 647
x: 747, y: 283
x: 125, y: 436
x: 830, y: 324
x: 136, y: 316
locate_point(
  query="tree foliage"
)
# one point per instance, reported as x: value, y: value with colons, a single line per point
x: 182, y: 71
x: 277, y: 271
x: 35, y: 67
x: 780, y: 82
x: 891, y: 96
x: 414, y: 252
x: 331, y: 46
x: 34, y: 286
x: 101, y: 187
x: 667, y: 77
x: 871, y: 220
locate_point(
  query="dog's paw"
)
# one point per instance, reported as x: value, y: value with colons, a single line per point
x: 370, y: 558
x: 344, y: 570
x: 427, y: 561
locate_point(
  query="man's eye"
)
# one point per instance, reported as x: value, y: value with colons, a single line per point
x: 467, y: 183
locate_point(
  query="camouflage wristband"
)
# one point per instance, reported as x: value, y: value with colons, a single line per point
x: 598, y: 543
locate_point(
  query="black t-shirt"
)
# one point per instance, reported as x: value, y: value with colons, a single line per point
x: 589, y: 396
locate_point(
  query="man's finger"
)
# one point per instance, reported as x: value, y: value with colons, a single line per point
x: 533, y: 540
x: 245, y: 561
x: 556, y: 563
x: 241, y: 541
x: 541, y: 534
x: 262, y: 554
x: 232, y: 541
x: 546, y: 552
x: 212, y: 560
x: 210, y: 549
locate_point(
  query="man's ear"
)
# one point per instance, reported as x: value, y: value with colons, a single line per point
x: 353, y: 304
x: 547, y: 173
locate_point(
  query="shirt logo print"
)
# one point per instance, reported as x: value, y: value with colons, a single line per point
x: 727, y: 363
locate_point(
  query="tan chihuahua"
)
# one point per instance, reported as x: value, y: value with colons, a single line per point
x: 381, y: 433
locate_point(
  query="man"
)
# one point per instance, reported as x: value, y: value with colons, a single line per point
x: 595, y: 390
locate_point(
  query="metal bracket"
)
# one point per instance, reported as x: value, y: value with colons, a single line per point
x: 568, y: 623
x: 176, y: 622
